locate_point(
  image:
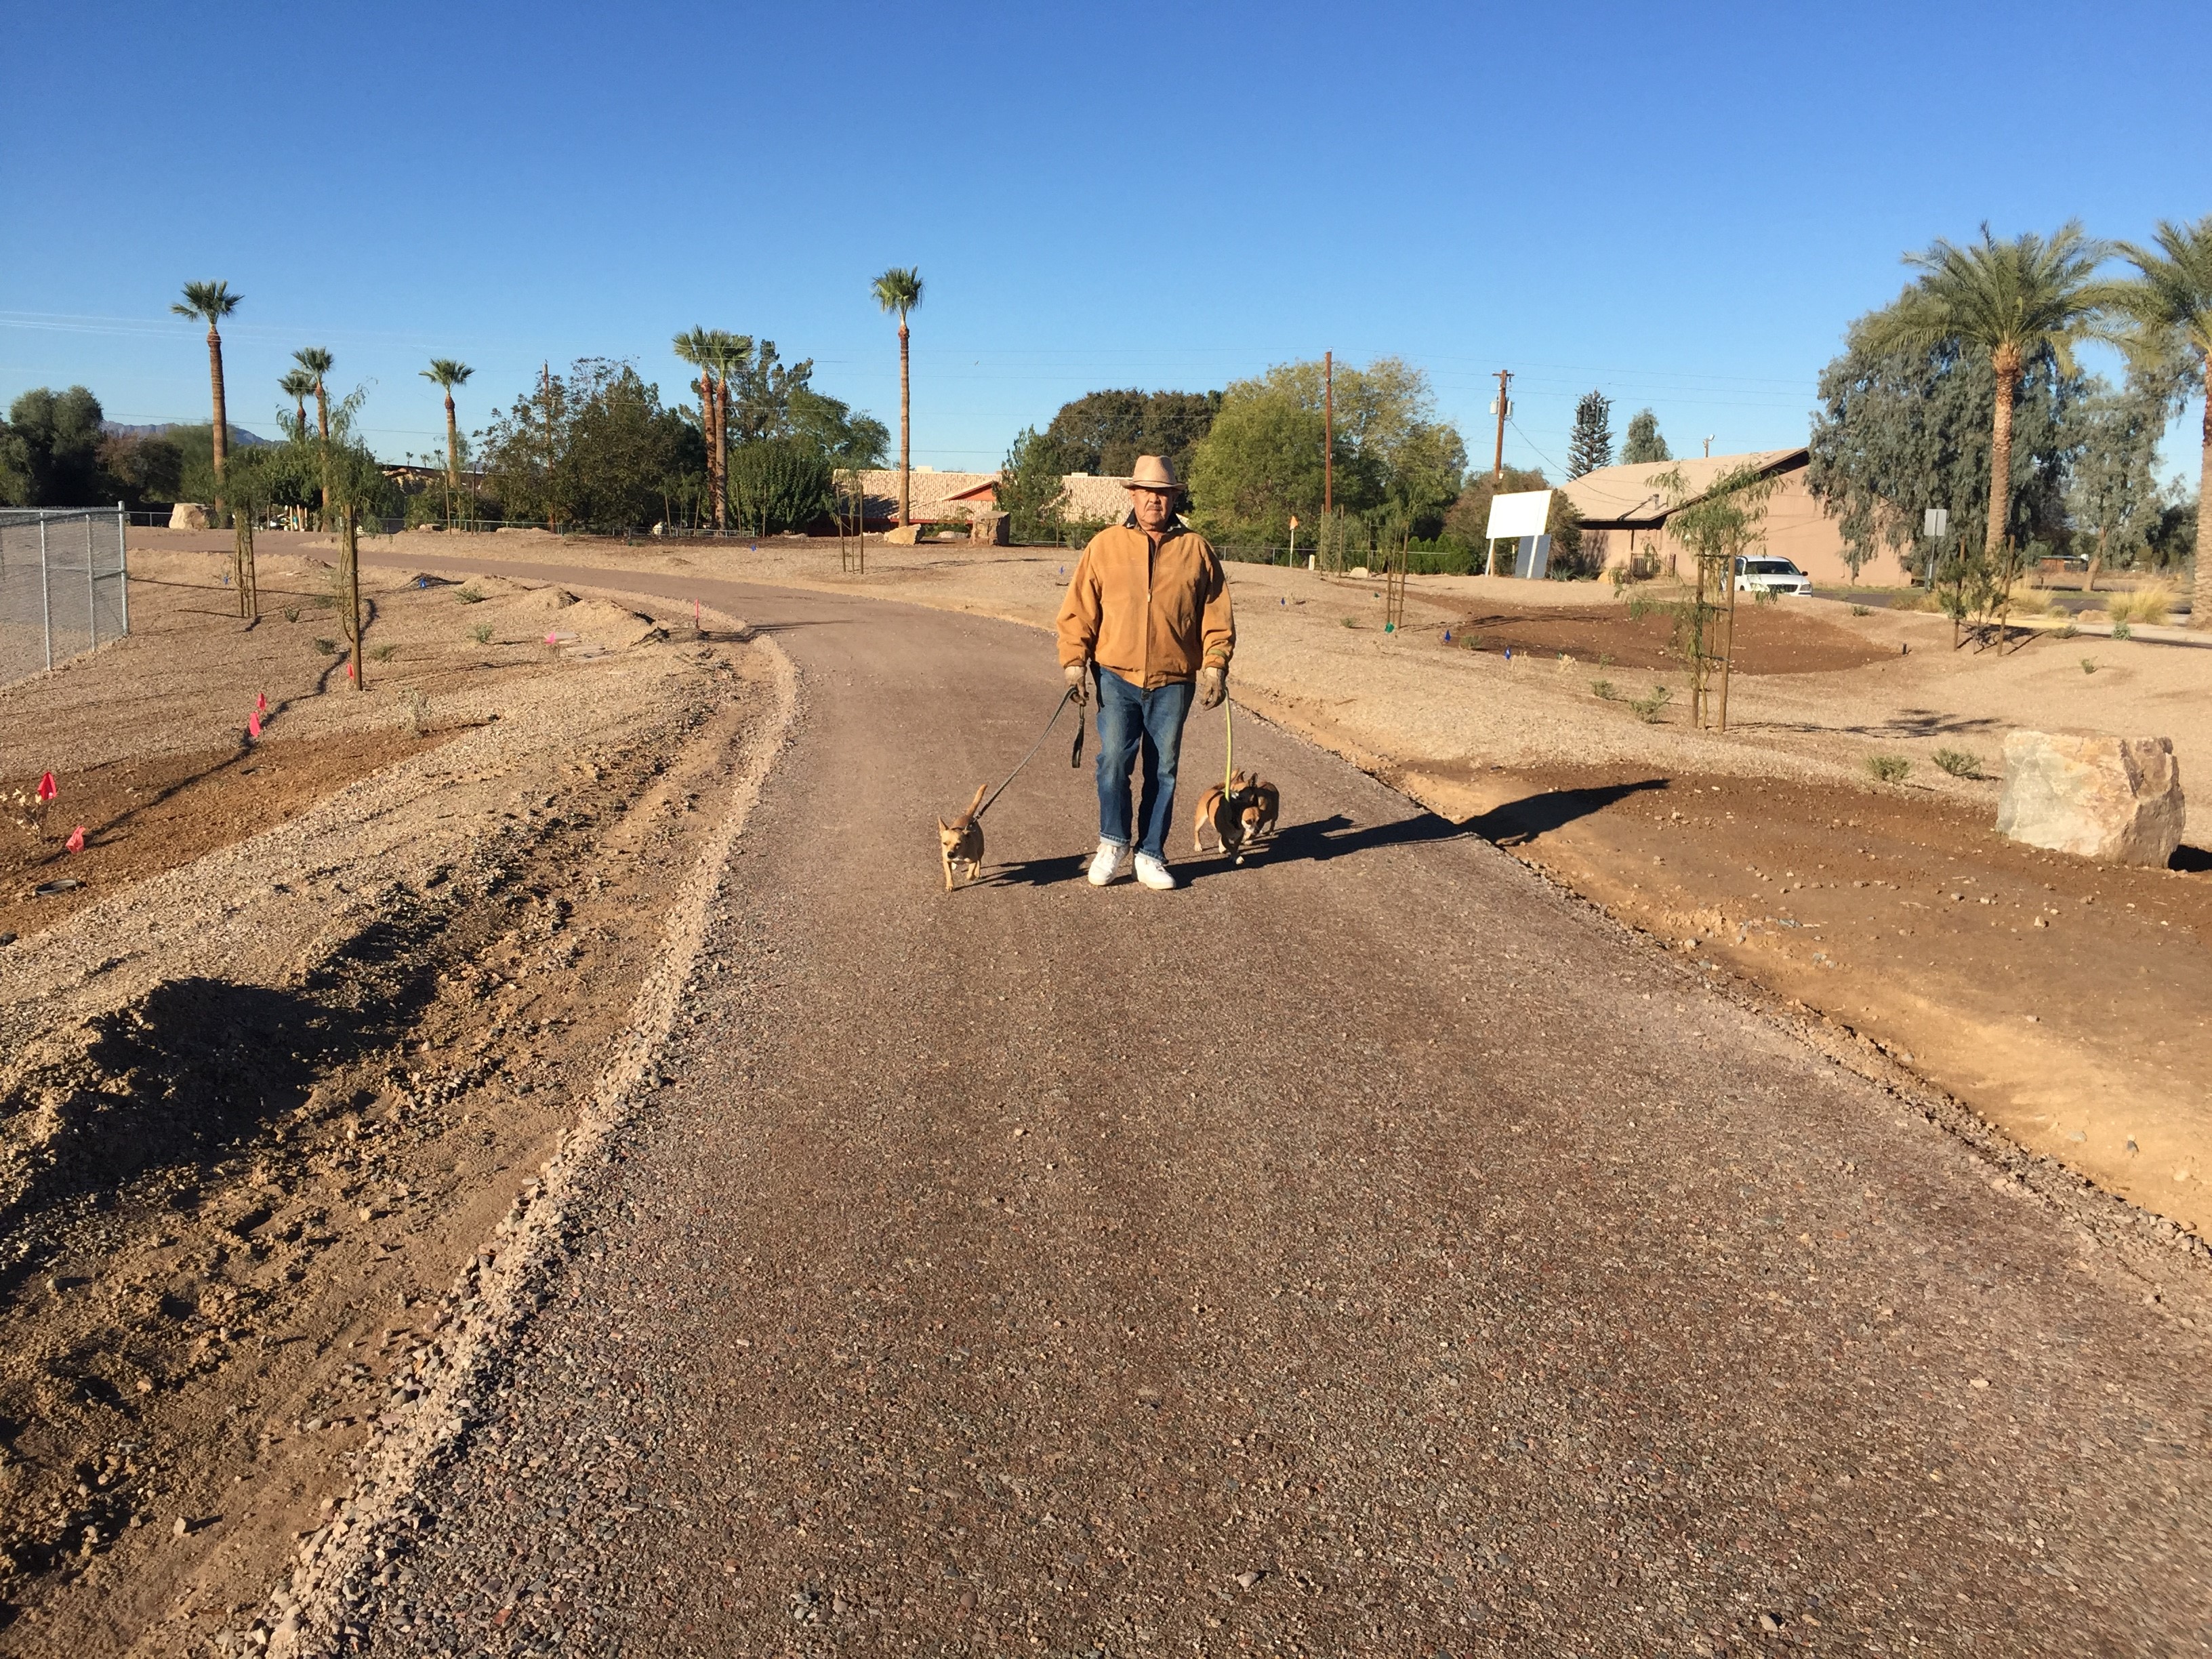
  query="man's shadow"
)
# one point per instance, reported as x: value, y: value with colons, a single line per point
x: 1319, y: 840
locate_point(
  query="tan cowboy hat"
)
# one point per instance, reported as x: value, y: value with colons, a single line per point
x: 1153, y: 473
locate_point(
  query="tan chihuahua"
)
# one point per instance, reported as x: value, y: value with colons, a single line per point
x: 962, y: 840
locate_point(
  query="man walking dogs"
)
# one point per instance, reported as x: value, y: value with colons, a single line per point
x: 1147, y: 614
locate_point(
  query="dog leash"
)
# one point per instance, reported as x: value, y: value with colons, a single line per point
x: 1228, y: 747
x: 1074, y: 755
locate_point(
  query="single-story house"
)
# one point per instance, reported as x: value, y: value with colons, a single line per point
x: 945, y: 498
x: 1624, y: 514
x: 933, y: 497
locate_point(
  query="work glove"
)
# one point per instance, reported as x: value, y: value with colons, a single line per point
x: 1079, y: 681
x: 1212, y: 686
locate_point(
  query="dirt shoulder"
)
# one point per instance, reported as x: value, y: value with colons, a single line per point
x: 1768, y: 851
x: 321, y: 1009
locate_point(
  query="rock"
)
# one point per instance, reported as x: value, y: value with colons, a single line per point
x: 188, y: 515
x: 988, y: 528
x: 2116, y: 800
x: 905, y: 536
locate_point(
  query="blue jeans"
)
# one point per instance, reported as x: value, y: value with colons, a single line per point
x: 1132, y: 722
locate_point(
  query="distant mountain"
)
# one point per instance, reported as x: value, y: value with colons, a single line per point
x: 239, y: 434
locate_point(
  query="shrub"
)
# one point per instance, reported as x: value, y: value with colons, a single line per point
x: 470, y: 596
x: 291, y: 613
x: 1958, y: 762
x: 2089, y: 664
x: 481, y: 633
x: 384, y: 653
x: 1606, y: 688
x: 1862, y: 611
x: 2145, y: 604
x: 327, y: 648
x: 1888, y: 768
x: 2121, y: 631
x: 1648, y: 709
x: 2069, y: 631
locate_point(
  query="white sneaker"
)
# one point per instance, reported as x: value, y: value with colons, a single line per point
x: 1154, y: 874
x: 1106, y: 863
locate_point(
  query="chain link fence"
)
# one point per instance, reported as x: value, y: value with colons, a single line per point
x: 61, y: 585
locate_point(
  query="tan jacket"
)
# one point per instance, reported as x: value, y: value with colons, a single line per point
x: 1151, y: 617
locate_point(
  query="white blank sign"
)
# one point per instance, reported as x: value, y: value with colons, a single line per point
x: 1523, y: 513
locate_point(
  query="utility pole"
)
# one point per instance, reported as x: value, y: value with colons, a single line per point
x: 1709, y: 455
x: 1497, y: 464
x: 1327, y: 434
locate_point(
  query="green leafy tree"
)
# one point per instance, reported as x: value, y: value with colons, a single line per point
x: 1104, y: 432
x: 1643, y: 442
x: 1898, y: 432
x: 780, y: 483
x: 2114, y: 490
x: 765, y: 387
x: 899, y: 291
x: 2170, y: 306
x: 1260, y: 464
x: 1030, y: 484
x: 51, y: 450
x: 445, y: 373
x: 847, y: 438
x: 1590, y: 446
x: 2005, y: 302
x: 147, y: 467
x: 212, y: 302
x: 1719, y: 525
x: 1260, y: 460
x: 594, y: 449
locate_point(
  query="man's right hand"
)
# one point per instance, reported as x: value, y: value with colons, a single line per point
x: 1078, y: 675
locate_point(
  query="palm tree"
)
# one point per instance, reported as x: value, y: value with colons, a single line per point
x: 2170, y: 303
x: 213, y: 302
x: 696, y: 348
x: 726, y: 355
x: 899, y: 291
x: 298, y: 386
x: 445, y: 373
x: 317, y: 361
x: 2009, y: 302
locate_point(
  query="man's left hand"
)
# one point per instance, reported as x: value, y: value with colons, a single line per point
x: 1212, y: 686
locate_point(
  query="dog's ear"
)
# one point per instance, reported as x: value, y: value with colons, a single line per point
x: 944, y: 828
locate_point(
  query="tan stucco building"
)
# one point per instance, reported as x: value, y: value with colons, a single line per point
x: 1626, y: 513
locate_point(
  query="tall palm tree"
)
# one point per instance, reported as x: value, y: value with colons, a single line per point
x: 317, y: 361
x: 696, y: 348
x: 2170, y: 303
x: 2008, y: 301
x: 445, y: 373
x: 899, y: 291
x: 726, y: 353
x: 213, y: 302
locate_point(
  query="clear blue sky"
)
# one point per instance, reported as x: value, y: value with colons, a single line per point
x: 1681, y: 205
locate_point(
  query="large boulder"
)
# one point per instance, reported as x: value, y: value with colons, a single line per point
x: 188, y: 515
x: 2117, y: 800
x: 905, y: 536
x: 988, y: 528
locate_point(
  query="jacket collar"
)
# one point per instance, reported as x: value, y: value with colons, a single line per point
x: 1176, y: 527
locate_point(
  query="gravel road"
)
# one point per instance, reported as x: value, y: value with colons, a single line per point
x: 1367, y: 1251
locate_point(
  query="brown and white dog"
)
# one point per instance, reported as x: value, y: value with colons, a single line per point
x: 962, y: 840
x: 1241, y: 814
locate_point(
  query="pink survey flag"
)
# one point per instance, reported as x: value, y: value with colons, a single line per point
x: 254, y: 724
x: 261, y: 703
x: 47, y: 788
x: 75, y: 843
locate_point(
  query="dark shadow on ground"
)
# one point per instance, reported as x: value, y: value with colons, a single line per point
x: 1520, y: 822
x: 172, y: 1083
x: 1907, y: 723
x: 2194, y: 859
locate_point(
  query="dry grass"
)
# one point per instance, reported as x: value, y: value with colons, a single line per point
x: 2145, y: 604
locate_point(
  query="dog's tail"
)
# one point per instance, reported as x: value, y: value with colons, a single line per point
x: 982, y: 790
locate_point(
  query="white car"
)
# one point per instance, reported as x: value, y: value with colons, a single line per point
x: 1770, y: 576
